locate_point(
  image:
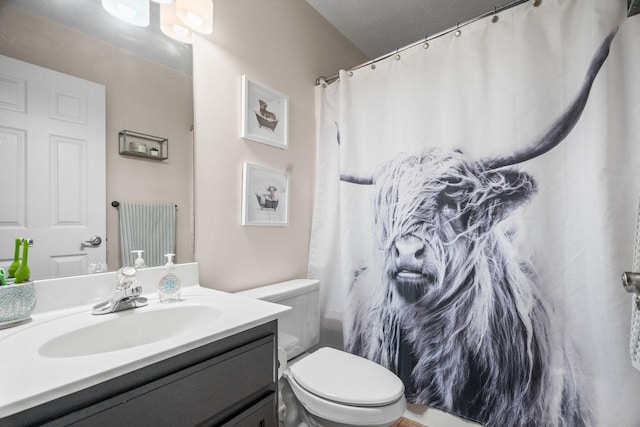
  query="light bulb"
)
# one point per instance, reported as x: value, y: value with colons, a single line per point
x: 194, y: 19
x: 196, y: 14
x: 134, y: 12
x: 181, y: 31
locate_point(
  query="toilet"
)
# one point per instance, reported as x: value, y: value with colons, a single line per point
x: 326, y: 387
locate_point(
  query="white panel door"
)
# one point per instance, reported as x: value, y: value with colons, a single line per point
x: 52, y: 168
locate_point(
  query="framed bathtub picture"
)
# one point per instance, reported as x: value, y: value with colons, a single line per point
x: 265, y: 115
x: 265, y: 196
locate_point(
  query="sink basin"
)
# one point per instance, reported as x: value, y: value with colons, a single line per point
x: 128, y: 329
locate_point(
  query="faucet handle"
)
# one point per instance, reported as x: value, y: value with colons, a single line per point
x: 133, y: 292
x: 126, y: 278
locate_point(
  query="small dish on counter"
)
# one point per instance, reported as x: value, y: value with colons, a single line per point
x: 17, y: 302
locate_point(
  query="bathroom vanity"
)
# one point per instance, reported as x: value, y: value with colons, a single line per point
x: 227, y: 382
x: 209, y: 359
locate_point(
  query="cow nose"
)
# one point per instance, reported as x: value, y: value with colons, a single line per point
x: 409, y: 249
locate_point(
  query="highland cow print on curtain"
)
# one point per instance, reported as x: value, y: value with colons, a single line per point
x: 475, y: 206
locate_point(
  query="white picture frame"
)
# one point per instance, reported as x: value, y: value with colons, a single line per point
x: 265, y: 114
x: 265, y: 196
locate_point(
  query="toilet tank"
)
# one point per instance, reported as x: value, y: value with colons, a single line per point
x: 298, y: 328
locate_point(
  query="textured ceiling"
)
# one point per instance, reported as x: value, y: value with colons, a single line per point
x: 379, y: 27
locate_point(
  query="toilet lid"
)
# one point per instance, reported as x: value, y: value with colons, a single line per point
x: 348, y: 379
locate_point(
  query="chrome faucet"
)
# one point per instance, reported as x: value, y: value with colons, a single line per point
x: 126, y: 296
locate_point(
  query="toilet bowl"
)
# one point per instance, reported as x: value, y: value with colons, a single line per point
x: 326, y: 387
x: 336, y: 388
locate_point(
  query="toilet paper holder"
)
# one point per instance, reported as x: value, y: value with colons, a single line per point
x: 631, y: 282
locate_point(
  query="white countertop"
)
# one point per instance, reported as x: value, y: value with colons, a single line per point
x: 29, y: 378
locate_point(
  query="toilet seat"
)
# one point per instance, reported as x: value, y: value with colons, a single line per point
x: 347, y: 379
x: 347, y: 414
x: 348, y: 389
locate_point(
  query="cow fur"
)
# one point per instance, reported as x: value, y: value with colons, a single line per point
x: 464, y: 304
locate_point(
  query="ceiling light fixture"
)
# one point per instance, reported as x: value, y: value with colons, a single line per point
x: 173, y: 27
x: 196, y: 14
x: 134, y: 12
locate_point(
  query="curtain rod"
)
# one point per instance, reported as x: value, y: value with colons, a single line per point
x: 495, y: 11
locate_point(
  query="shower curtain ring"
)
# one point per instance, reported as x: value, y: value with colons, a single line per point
x: 458, y: 33
x: 495, y: 17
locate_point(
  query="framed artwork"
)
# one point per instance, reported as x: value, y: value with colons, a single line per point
x: 265, y: 196
x: 265, y: 116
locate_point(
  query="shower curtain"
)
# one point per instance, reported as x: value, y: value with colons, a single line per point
x: 483, y: 270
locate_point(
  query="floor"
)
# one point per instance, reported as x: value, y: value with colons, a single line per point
x: 405, y: 422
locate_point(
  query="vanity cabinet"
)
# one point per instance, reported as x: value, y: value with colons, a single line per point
x: 230, y: 382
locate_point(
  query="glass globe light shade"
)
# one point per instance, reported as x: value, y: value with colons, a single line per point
x: 196, y: 14
x: 134, y: 12
x: 173, y: 27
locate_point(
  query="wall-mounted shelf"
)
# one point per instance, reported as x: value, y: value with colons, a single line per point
x: 145, y: 146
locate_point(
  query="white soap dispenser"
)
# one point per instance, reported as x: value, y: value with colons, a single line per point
x: 139, y: 262
x: 170, y: 285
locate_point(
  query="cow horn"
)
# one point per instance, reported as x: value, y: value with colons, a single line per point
x: 565, y: 123
x: 357, y: 179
